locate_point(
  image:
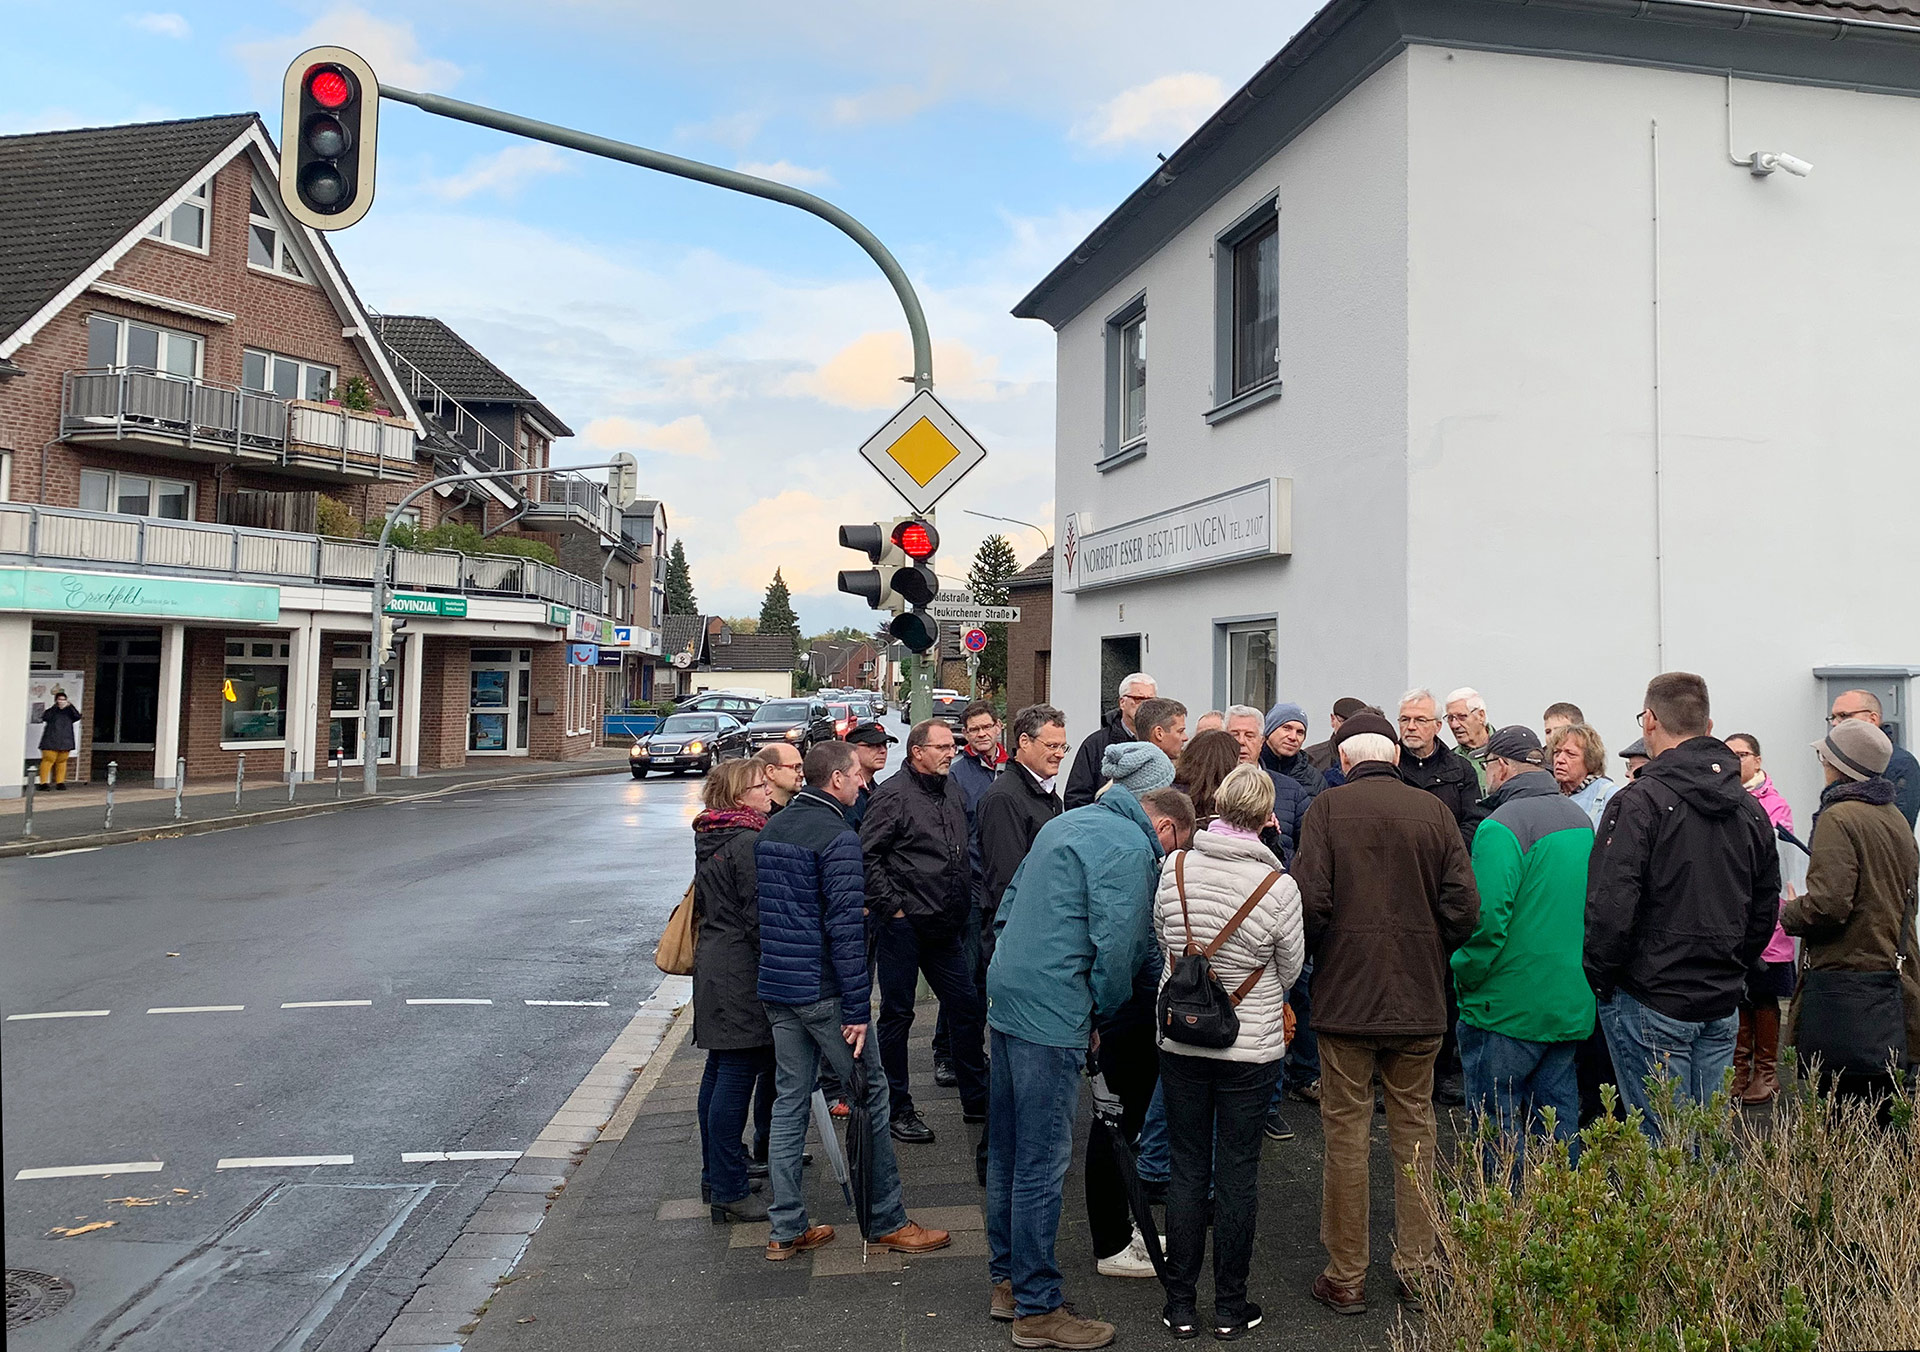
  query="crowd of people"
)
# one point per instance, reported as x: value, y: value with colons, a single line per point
x: 1208, y: 925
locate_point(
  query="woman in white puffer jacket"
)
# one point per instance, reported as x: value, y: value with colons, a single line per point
x: 1217, y: 1099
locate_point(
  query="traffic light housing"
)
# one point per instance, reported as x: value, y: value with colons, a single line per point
x: 902, y: 580
x: 383, y: 641
x: 329, y: 116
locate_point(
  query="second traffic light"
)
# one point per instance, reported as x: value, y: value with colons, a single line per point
x: 329, y: 115
x: 902, y: 579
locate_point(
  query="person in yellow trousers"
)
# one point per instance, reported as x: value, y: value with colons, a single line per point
x: 58, y: 740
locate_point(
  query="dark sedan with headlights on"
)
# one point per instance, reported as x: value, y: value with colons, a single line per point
x: 802, y: 723
x: 689, y: 742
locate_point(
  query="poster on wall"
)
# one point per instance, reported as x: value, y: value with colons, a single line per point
x: 40, y: 688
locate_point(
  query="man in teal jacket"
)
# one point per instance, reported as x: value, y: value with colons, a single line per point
x: 1075, y: 925
x: 1524, y: 1000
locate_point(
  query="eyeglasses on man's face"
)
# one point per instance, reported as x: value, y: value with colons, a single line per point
x: 1842, y: 715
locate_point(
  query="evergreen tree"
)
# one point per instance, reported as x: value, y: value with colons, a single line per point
x: 776, y: 612
x: 680, y: 597
x: 993, y: 566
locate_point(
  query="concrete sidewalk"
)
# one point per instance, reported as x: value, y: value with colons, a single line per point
x: 76, y: 819
x: 627, y: 1258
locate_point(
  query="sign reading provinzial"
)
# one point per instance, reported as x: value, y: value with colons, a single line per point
x: 454, y: 607
x: 1254, y: 522
x: 923, y: 451
x: 59, y: 591
x: 965, y: 612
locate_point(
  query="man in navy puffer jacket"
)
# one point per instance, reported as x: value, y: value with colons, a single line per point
x: 815, y: 986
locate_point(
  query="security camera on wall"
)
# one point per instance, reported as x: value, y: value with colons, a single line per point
x: 1766, y: 161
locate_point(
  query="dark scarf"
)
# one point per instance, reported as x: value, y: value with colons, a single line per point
x: 1877, y: 792
x: 731, y: 819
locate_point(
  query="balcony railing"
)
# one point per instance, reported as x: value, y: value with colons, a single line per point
x: 204, y: 416
x: 578, y: 497
x: 62, y: 537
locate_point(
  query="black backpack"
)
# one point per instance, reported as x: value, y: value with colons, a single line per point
x: 1194, y: 1007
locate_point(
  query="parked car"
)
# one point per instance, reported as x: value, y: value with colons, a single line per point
x: 949, y: 706
x: 844, y: 717
x: 689, y: 742
x: 803, y: 722
x: 741, y: 706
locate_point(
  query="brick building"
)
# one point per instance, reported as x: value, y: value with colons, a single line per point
x: 1030, y: 642
x: 189, y: 386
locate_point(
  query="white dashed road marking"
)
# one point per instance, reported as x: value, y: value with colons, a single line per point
x: 579, y: 1004
x: 64, y: 1014
x: 449, y: 1002
x: 196, y: 1009
x: 325, y: 1004
x: 282, y: 1161
x: 435, y: 1156
x: 93, y: 1170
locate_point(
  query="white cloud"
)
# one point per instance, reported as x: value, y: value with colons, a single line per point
x: 688, y: 436
x: 784, y: 171
x: 165, y: 25
x: 891, y: 103
x: 390, y: 47
x: 1158, y: 113
x: 504, y: 172
x: 733, y: 130
x: 866, y: 373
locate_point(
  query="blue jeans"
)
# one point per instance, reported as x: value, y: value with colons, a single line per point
x: 1302, y: 1064
x: 1153, y: 1153
x: 726, y: 1094
x: 1036, y: 1093
x: 902, y: 953
x: 1645, y: 1042
x: 802, y: 1034
x: 1512, y: 1081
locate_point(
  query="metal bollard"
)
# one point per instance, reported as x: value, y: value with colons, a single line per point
x: 239, y: 778
x: 293, y: 776
x: 339, y: 762
x: 180, y: 789
x: 26, y: 826
x: 113, y: 773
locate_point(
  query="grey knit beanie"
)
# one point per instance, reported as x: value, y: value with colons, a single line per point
x: 1140, y: 767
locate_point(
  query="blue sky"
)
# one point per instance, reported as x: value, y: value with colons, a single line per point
x: 740, y: 349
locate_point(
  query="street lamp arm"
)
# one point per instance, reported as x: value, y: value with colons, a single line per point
x: 730, y: 179
x: 1014, y: 520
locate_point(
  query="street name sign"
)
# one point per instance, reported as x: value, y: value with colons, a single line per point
x: 922, y: 451
x: 452, y: 607
x: 969, y: 613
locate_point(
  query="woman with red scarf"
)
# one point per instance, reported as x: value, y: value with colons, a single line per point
x: 728, y: 1021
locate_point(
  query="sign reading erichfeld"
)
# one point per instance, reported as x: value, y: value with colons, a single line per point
x: 1253, y: 522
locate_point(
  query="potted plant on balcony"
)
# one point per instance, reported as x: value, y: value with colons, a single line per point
x: 356, y: 395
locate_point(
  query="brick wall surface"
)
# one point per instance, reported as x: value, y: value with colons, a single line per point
x: 445, y: 692
x: 1030, y: 648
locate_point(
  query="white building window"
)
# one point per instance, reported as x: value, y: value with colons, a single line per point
x: 1256, y: 307
x: 44, y: 654
x: 1253, y: 669
x: 254, y: 692
x: 116, y: 343
x: 135, y: 495
x: 186, y: 224
x: 286, y: 377
x: 268, y: 249
x: 1133, y: 380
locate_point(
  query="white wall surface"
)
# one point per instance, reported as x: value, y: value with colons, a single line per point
x: 1789, y: 336
x: 1337, y: 430
x: 774, y: 684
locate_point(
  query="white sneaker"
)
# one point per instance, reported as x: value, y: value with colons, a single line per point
x: 1131, y: 1261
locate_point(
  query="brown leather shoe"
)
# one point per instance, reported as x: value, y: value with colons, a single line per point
x: 779, y: 1250
x: 1061, y: 1328
x: 1001, y: 1306
x: 1340, y: 1299
x: 912, y: 1237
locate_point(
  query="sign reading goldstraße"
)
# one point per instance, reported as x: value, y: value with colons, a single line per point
x: 1253, y: 522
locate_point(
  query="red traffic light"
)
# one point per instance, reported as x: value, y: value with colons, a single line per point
x: 329, y: 87
x: 917, y: 539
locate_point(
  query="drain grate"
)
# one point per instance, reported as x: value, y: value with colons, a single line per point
x: 34, y: 1295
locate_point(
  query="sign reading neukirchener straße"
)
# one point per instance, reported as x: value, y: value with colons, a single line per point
x: 1253, y: 522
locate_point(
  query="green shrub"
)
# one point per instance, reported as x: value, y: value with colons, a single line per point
x: 331, y: 517
x: 466, y: 539
x: 1738, y: 1230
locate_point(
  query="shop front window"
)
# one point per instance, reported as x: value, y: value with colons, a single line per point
x: 254, y: 691
x: 1253, y: 673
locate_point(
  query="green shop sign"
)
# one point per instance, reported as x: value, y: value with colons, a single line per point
x: 559, y: 615
x: 453, y: 607
x: 56, y: 591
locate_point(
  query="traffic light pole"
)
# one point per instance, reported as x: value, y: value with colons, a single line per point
x: 382, y: 559
x: 730, y: 179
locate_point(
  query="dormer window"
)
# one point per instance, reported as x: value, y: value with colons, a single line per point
x: 267, y: 246
x: 186, y: 224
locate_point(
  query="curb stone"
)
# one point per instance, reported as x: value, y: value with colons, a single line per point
x: 453, y: 1295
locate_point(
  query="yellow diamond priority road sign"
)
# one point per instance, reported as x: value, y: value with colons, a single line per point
x: 923, y: 451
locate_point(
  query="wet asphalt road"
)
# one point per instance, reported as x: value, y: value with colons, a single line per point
x: 550, y: 893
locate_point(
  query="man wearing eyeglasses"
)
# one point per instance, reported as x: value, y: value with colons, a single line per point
x: 1086, y: 779
x: 1903, y: 769
x: 1427, y: 762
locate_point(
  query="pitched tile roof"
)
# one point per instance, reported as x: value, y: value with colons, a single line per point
x: 1039, y: 573
x: 679, y: 633
x: 754, y: 652
x: 71, y: 195
x: 457, y: 366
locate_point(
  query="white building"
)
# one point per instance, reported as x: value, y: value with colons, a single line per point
x: 1542, y: 384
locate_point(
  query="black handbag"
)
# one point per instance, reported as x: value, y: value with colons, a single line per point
x: 1855, y: 1022
x: 1195, y: 1008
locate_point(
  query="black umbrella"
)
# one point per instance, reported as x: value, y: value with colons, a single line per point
x: 860, y: 1147
x: 1107, y: 1111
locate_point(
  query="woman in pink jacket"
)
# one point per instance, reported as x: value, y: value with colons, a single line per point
x: 1756, y: 1056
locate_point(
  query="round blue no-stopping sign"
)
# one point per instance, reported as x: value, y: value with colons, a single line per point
x: 974, y: 640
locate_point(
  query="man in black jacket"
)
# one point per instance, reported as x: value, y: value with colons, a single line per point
x: 1427, y: 762
x: 1086, y: 779
x: 1021, y: 801
x: 1682, y: 894
x: 919, y: 896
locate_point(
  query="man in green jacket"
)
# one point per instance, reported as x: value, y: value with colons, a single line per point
x: 1075, y: 926
x: 1524, y: 1000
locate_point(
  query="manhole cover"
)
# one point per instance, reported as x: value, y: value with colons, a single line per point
x: 34, y: 1295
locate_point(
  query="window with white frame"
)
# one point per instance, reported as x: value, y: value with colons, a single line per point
x: 254, y: 691
x: 286, y: 377
x: 1256, y: 307
x: 268, y: 248
x: 1126, y: 420
x: 117, y: 343
x: 135, y: 495
x: 1253, y: 669
x: 186, y: 224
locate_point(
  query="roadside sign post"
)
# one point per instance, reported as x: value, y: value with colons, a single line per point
x: 975, y: 642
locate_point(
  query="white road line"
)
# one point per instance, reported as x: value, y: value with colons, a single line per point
x: 93, y: 1170
x: 196, y: 1009
x: 436, y: 1156
x: 325, y: 1004
x: 64, y: 1014
x: 449, y: 1002
x: 580, y: 1004
x: 61, y: 854
x: 282, y: 1161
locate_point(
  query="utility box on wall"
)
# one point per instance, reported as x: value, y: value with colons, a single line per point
x: 1891, y: 685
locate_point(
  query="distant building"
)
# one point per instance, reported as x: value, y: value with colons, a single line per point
x: 703, y: 653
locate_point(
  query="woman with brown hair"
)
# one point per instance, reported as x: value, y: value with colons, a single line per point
x: 728, y: 1020
x: 1578, y: 759
x: 1207, y: 760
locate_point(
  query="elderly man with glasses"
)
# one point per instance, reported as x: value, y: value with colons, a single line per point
x: 1903, y: 770
x: 1118, y: 726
